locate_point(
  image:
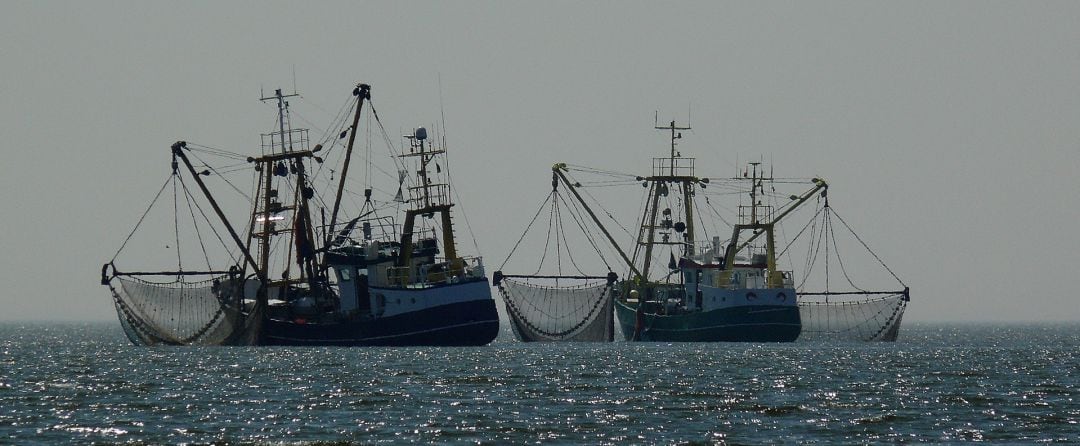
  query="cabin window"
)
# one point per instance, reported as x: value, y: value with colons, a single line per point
x: 346, y: 275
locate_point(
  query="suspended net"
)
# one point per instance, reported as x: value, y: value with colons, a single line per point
x: 845, y: 311
x: 549, y: 310
x: 182, y: 312
x: 872, y: 318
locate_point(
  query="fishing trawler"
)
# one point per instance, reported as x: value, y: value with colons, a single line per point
x: 707, y: 295
x: 727, y: 293
x: 365, y: 281
x: 711, y: 290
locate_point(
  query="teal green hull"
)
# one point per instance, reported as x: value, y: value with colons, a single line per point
x: 750, y: 323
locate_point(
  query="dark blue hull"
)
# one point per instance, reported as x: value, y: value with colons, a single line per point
x: 749, y: 323
x: 469, y: 323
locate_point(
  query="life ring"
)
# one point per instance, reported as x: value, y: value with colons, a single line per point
x: 751, y: 296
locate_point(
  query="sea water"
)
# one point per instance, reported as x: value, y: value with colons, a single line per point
x: 84, y: 383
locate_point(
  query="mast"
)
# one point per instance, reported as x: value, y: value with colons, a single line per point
x: 819, y: 185
x: 430, y: 198
x: 284, y: 151
x: 362, y: 91
x: 674, y: 136
x: 755, y: 183
x: 282, y: 107
x: 672, y: 170
x: 768, y: 227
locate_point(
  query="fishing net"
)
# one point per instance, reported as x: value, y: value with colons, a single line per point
x: 875, y: 318
x: 181, y: 312
x: 553, y: 311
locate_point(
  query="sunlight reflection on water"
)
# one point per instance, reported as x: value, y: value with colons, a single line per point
x: 74, y: 382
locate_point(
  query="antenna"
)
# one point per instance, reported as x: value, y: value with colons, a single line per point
x: 283, y: 110
x: 674, y: 136
x: 442, y: 112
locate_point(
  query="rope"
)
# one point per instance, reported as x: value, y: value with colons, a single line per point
x: 226, y: 180
x: 537, y: 215
x: 147, y: 211
x: 195, y: 147
x: 840, y: 260
x: 812, y: 252
x: 557, y: 223
x: 195, y: 223
x: 176, y: 227
x: 807, y: 225
x: 588, y: 236
x: 868, y: 248
x: 457, y: 197
x: 608, y: 213
x: 217, y: 234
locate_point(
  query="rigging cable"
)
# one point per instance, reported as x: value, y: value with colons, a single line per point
x: 453, y: 188
x: 176, y: 227
x: 608, y: 213
x: 801, y: 231
x: 542, y: 206
x: 226, y: 180
x: 547, y: 238
x: 143, y: 217
x: 587, y: 237
x: 868, y: 248
x: 557, y: 215
x: 839, y: 260
x: 195, y: 224
x: 212, y: 228
x: 576, y: 215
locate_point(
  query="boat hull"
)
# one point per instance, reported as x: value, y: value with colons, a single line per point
x: 461, y: 321
x: 745, y: 323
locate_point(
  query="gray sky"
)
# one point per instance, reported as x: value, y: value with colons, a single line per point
x: 948, y: 130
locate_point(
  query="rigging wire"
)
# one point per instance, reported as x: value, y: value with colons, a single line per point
x: 868, y: 248
x: 176, y: 227
x: 457, y: 197
x: 698, y: 213
x: 195, y: 223
x: 839, y: 260
x: 547, y: 238
x: 542, y: 207
x: 143, y: 217
x: 592, y: 243
x: 558, y: 243
x: 196, y: 147
x: 231, y: 251
x: 339, y: 122
x: 814, y: 247
x: 812, y: 220
x: 608, y: 213
x: 223, y: 178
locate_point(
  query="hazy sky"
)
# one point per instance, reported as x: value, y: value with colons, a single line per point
x: 950, y: 131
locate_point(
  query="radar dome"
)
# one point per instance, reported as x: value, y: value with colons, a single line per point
x: 421, y: 134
